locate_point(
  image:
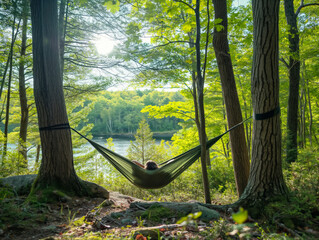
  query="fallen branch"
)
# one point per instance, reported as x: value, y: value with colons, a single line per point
x: 162, y: 228
x: 292, y: 232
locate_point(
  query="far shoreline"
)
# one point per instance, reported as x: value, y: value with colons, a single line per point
x: 156, y: 135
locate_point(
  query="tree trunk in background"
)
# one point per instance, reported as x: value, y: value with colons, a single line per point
x: 234, y: 116
x: 22, y: 88
x: 194, y: 95
x: 10, y: 59
x: 6, y: 121
x: 294, y: 78
x: 57, y: 167
x: 62, y: 28
x: 309, y: 104
x: 266, y: 177
x: 246, y: 114
x: 200, y: 98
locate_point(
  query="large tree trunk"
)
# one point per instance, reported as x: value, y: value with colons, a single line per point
x: 22, y: 89
x: 266, y: 178
x: 294, y: 78
x: 57, y: 167
x: 237, y: 136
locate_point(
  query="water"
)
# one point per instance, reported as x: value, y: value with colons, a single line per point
x: 121, y: 145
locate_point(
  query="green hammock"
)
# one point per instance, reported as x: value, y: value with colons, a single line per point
x: 152, y: 179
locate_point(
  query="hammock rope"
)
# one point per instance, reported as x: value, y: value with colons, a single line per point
x: 166, y: 173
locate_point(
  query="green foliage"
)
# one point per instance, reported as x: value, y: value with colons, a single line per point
x: 112, y: 6
x: 218, y: 230
x: 6, y: 192
x: 15, y: 213
x: 189, y: 219
x: 241, y: 216
x: 144, y: 147
x: 120, y: 112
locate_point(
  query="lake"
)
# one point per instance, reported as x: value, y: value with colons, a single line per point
x: 121, y: 144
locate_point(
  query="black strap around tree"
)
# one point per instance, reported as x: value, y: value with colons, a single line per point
x: 270, y: 114
x: 56, y: 127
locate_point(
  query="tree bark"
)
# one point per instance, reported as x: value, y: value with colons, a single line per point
x: 294, y: 79
x: 195, y: 99
x: 22, y: 88
x: 234, y: 116
x: 10, y: 59
x: 309, y: 104
x: 63, y: 13
x: 200, y: 99
x: 266, y: 177
x: 57, y: 167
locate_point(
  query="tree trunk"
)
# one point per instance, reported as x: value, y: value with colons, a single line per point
x: 63, y: 13
x: 6, y: 123
x: 200, y: 99
x: 247, y: 113
x: 197, y: 120
x: 294, y: 78
x: 266, y: 178
x: 22, y: 89
x: 13, y: 39
x: 302, y: 114
x: 234, y: 116
x: 309, y: 104
x: 57, y: 167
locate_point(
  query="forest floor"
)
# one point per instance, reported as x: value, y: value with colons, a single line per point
x: 117, y: 218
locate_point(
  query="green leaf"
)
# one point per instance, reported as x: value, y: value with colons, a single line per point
x: 187, y: 27
x: 182, y: 220
x: 197, y: 215
x: 112, y: 6
x: 219, y: 27
x: 241, y: 216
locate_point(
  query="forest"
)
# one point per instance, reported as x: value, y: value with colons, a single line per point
x: 120, y: 113
x: 234, y: 84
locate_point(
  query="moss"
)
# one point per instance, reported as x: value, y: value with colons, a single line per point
x: 48, y: 195
x: 291, y: 212
x: 56, y: 191
x: 156, y: 213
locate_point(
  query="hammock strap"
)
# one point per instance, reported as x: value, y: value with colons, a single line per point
x: 267, y: 115
x: 55, y: 127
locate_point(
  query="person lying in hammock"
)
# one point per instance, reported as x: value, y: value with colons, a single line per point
x: 149, y: 165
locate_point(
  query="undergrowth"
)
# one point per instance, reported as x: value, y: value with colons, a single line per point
x: 285, y: 219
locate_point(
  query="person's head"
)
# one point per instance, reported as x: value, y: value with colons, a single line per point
x: 151, y: 165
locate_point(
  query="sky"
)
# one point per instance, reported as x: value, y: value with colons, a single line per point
x: 105, y: 45
x: 240, y: 2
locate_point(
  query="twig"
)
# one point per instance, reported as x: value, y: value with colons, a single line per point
x: 292, y: 232
x: 164, y: 227
x: 302, y: 5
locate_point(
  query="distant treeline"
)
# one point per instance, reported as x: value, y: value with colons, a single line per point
x: 119, y: 113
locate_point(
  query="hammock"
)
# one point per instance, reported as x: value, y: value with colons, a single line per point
x: 152, y: 179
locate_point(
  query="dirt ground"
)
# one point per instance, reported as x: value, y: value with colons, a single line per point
x: 122, y: 217
x: 74, y: 219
